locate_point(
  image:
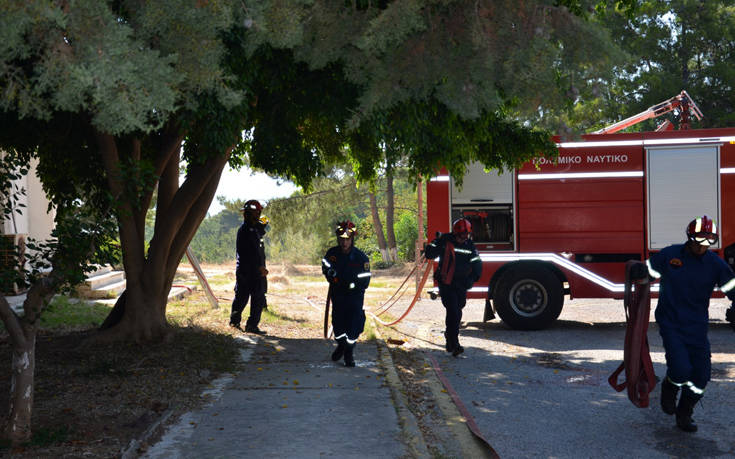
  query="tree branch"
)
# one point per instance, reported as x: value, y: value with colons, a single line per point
x: 184, y: 212
x: 196, y: 214
x: 12, y: 323
x: 130, y: 239
x: 38, y: 295
x: 169, y: 144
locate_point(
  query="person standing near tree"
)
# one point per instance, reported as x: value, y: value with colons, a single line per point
x: 459, y: 268
x: 689, y: 273
x: 250, y: 271
x: 347, y: 269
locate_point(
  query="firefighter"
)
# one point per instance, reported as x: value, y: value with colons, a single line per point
x: 688, y: 273
x: 347, y: 270
x: 459, y: 268
x: 250, y: 272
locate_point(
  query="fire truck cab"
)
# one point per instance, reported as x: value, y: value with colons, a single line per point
x: 567, y: 226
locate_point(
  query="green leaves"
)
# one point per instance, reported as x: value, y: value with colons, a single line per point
x: 674, y: 45
x: 130, y: 69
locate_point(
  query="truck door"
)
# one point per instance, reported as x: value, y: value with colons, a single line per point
x: 683, y: 182
x: 486, y: 200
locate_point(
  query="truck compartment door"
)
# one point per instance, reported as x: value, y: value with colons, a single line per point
x: 486, y: 200
x: 683, y: 182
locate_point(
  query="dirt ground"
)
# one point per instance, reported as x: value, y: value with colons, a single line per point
x: 92, y: 401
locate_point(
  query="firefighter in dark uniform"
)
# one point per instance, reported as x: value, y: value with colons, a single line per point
x: 459, y: 268
x: 689, y: 273
x: 251, y: 272
x: 347, y: 270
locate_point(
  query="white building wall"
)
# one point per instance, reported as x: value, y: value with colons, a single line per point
x: 40, y: 219
x: 34, y: 221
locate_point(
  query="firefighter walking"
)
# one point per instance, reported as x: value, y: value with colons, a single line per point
x: 250, y: 271
x: 689, y: 273
x: 347, y: 269
x: 459, y: 268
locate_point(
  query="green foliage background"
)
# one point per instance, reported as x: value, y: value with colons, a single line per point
x: 301, y: 227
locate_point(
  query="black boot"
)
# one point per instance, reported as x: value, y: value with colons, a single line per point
x: 458, y: 349
x: 339, y: 352
x: 669, y: 391
x: 450, y: 344
x: 349, y: 358
x: 685, y: 409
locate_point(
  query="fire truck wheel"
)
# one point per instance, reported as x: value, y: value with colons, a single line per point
x: 529, y: 297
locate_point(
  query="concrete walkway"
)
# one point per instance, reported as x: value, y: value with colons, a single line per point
x: 290, y: 400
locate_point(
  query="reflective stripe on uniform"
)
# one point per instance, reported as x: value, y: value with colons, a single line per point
x: 688, y: 384
x: 326, y: 263
x: 652, y: 271
x: 477, y: 258
x: 694, y: 388
x: 462, y: 250
x: 363, y: 275
x: 343, y: 335
x: 728, y: 286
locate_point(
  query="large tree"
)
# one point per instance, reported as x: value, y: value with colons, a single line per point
x: 145, y: 85
x: 120, y: 85
x: 130, y: 89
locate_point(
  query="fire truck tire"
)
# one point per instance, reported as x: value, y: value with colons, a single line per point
x: 528, y: 297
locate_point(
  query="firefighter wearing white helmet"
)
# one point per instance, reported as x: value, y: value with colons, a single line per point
x: 689, y: 273
x: 459, y: 268
x: 251, y: 281
x: 347, y: 269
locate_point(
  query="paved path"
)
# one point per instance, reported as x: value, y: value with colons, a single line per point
x: 291, y: 400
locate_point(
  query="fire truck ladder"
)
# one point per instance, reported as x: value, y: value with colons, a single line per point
x: 682, y: 103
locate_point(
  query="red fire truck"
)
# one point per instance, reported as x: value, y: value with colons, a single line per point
x: 568, y: 226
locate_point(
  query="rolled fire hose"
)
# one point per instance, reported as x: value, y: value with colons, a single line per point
x: 640, y: 377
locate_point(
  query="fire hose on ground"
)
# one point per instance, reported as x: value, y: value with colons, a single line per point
x: 390, y: 302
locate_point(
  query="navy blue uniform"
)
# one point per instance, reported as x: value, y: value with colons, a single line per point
x: 250, y: 283
x: 682, y: 313
x: 348, y: 276
x: 462, y: 269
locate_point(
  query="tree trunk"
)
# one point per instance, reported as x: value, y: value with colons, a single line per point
x: 389, y: 214
x: 22, y: 336
x: 136, y: 317
x: 378, y: 228
x: 140, y: 313
x: 20, y: 407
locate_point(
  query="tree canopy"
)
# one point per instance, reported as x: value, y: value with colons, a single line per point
x: 680, y: 44
x: 669, y: 47
x: 120, y: 92
x: 115, y: 94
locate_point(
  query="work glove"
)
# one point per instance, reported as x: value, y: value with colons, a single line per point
x: 639, y: 272
x: 332, y: 276
x: 730, y: 316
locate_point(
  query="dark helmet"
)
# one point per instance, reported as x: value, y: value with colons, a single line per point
x: 461, y: 226
x: 703, y: 231
x: 346, y: 229
x: 251, y: 205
